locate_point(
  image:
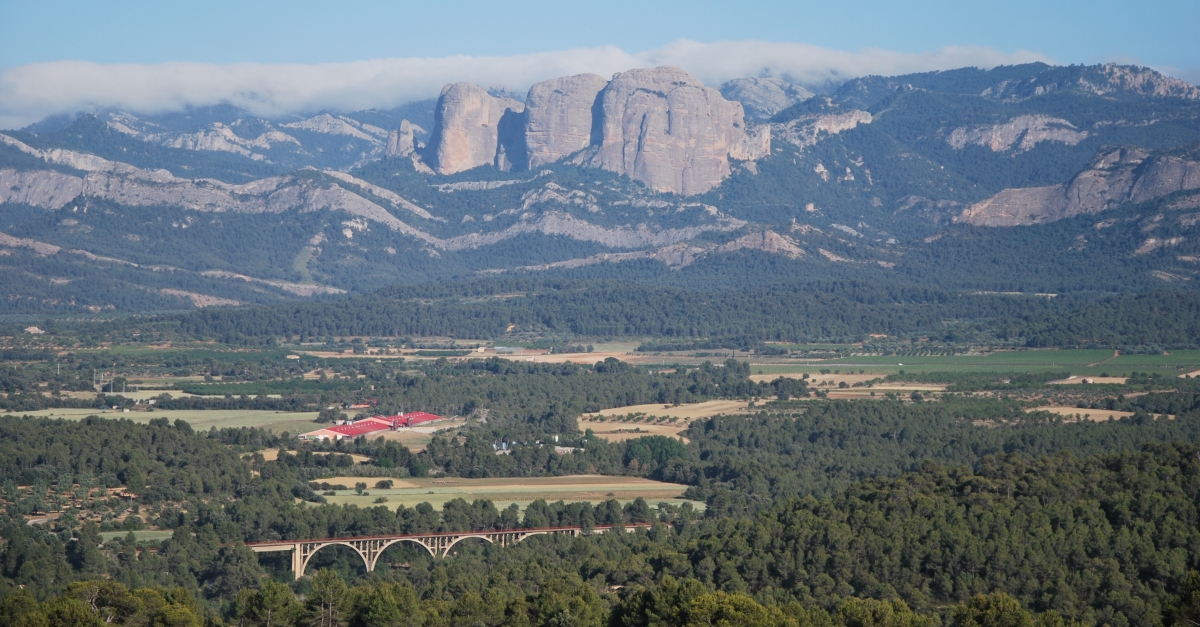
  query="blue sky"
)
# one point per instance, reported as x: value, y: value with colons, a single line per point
x: 1162, y: 33
x: 281, y: 57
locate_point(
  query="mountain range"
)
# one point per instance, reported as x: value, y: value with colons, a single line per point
x: 1029, y: 178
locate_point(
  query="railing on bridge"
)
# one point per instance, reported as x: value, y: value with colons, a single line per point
x: 369, y: 548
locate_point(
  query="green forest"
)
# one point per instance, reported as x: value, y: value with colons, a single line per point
x: 1061, y: 538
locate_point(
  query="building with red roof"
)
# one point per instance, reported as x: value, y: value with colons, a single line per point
x: 367, y: 426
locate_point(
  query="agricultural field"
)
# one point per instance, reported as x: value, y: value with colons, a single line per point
x: 1078, y: 362
x: 634, y: 421
x: 616, y: 431
x: 691, y: 411
x: 1095, y: 415
x: 833, y: 379
x: 200, y: 419
x: 506, y: 491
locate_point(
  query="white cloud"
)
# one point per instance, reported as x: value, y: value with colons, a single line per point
x: 31, y: 92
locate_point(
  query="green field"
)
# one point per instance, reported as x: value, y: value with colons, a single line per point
x: 200, y: 419
x: 1079, y: 362
x: 506, y: 491
x: 144, y: 535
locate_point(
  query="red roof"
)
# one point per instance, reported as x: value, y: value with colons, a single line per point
x: 420, y: 416
x: 368, y: 425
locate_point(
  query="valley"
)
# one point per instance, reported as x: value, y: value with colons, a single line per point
x: 884, y: 351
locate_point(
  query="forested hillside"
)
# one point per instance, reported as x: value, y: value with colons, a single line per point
x: 1105, y: 539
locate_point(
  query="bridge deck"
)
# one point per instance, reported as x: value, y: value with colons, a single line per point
x: 288, y: 545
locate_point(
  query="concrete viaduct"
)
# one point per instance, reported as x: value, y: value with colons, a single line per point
x: 369, y: 548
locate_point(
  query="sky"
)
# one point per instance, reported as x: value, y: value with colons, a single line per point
x: 282, y: 57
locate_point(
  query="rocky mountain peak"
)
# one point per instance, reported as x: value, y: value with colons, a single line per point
x: 467, y: 128
x: 660, y: 126
x: 762, y: 98
x: 667, y: 129
x: 561, y: 117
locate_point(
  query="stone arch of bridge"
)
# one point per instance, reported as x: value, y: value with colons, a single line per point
x: 446, y: 551
x: 384, y: 546
x: 303, y: 565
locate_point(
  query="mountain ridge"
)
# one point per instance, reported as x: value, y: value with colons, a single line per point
x: 873, y: 181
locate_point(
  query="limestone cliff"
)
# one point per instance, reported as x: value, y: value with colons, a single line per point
x: 807, y: 130
x: 1020, y: 134
x: 560, y: 118
x: 666, y: 129
x: 1116, y: 176
x: 467, y: 129
x: 46, y: 189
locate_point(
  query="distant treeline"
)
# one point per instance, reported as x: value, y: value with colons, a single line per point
x: 727, y: 318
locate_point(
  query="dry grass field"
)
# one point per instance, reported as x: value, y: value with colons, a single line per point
x: 832, y: 380
x: 1095, y: 415
x: 615, y: 431
x: 692, y: 411
x: 506, y: 491
x: 654, y: 419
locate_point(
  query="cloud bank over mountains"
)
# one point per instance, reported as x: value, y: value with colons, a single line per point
x: 32, y: 92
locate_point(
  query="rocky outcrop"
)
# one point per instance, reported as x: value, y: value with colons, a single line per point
x: 674, y: 256
x: 659, y: 126
x: 1116, y: 176
x: 807, y: 130
x: 762, y: 98
x: 755, y: 144
x: 47, y: 189
x: 766, y: 241
x: 339, y: 125
x: 666, y: 129
x: 1021, y: 134
x: 560, y: 117
x: 41, y: 248
x: 402, y: 142
x: 467, y: 129
x: 1101, y: 80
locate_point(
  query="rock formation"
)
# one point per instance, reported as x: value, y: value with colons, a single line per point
x: 402, y: 142
x: 467, y: 125
x: 766, y: 241
x: 807, y: 130
x: 1102, y: 80
x: 1116, y: 176
x: 762, y: 98
x: 666, y: 129
x: 659, y: 126
x: 1021, y: 133
x: 754, y: 145
x: 559, y: 117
